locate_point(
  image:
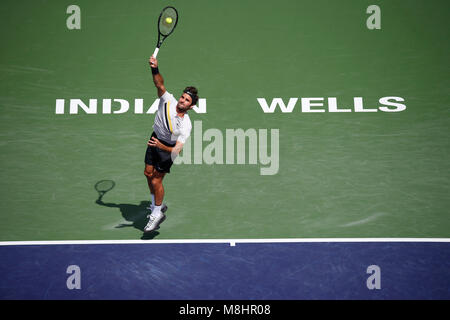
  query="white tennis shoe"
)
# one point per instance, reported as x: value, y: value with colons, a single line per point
x: 154, y: 222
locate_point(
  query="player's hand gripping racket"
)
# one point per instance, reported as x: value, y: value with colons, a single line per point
x: 166, y: 24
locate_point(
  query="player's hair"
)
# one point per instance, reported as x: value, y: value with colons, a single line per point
x: 193, y: 93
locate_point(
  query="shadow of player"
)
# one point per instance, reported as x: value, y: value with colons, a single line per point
x: 135, y: 214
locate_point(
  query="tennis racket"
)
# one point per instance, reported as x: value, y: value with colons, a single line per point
x: 103, y: 187
x: 167, y: 22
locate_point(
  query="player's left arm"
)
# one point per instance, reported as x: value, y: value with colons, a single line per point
x: 154, y: 142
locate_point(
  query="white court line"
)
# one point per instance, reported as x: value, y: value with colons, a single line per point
x: 231, y: 242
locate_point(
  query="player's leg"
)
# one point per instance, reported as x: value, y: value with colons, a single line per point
x: 161, y: 162
x: 158, y: 187
x: 151, y: 160
x: 157, y: 216
x: 148, y: 172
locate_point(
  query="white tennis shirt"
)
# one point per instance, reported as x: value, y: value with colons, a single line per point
x: 168, y: 126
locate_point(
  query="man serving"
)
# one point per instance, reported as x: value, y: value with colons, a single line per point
x: 171, y: 129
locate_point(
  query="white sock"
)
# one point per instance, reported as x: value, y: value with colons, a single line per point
x: 157, y: 210
x: 153, y: 202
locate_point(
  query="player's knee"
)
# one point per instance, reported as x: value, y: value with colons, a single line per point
x: 157, y: 179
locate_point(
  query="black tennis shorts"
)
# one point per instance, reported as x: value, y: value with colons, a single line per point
x: 161, y: 160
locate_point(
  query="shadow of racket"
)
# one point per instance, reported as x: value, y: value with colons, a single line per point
x: 103, y: 186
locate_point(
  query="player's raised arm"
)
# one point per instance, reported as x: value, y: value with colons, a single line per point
x: 157, y: 77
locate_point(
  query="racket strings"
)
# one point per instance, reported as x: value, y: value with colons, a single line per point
x: 166, y: 25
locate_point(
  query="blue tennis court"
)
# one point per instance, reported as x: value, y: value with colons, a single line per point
x: 220, y: 270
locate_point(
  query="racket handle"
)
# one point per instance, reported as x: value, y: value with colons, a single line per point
x: 155, y: 53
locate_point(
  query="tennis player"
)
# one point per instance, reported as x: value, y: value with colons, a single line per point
x: 171, y: 129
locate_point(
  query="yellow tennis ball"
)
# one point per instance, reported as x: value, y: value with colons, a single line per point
x: 169, y: 20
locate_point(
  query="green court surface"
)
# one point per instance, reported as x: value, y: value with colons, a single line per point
x: 340, y: 174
